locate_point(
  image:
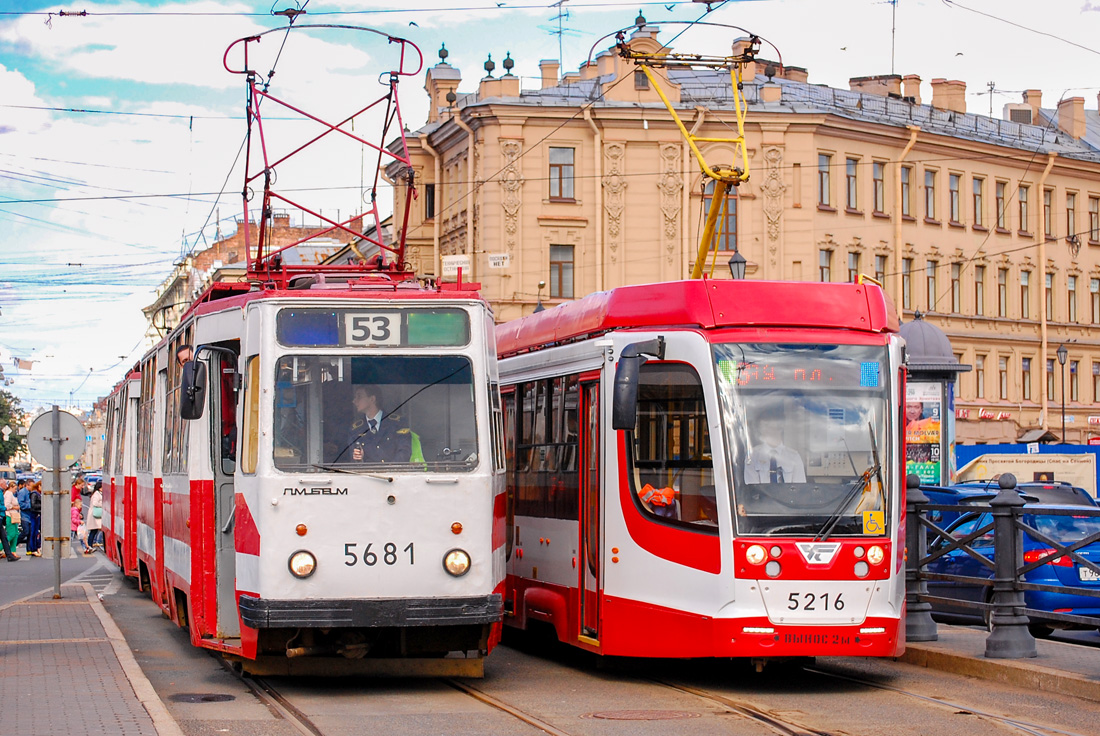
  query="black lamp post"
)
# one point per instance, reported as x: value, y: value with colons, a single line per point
x: 737, y: 265
x: 538, y: 306
x: 1062, y: 353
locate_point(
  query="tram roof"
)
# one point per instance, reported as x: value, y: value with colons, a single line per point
x: 705, y: 304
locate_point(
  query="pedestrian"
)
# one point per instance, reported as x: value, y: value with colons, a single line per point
x: 94, y: 519
x: 76, y: 524
x: 8, y: 554
x: 11, y: 506
x: 78, y: 488
x: 33, y: 521
x: 23, y: 496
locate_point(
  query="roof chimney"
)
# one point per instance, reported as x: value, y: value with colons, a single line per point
x: 911, y: 87
x: 549, y: 69
x: 949, y: 94
x: 883, y: 84
x: 1071, y: 116
x: 1034, y: 99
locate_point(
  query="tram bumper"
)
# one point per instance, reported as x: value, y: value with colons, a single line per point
x: 260, y: 613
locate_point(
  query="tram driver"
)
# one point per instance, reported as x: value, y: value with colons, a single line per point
x: 771, y: 461
x: 375, y: 437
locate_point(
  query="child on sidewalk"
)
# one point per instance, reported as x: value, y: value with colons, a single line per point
x: 76, y: 524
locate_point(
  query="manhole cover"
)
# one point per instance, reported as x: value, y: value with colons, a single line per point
x: 641, y: 715
x: 201, y: 697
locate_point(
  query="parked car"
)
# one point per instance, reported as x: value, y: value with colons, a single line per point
x: 981, y: 492
x: 1062, y: 570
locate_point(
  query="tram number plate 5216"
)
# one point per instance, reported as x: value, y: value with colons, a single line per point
x: 815, y: 602
x: 370, y: 555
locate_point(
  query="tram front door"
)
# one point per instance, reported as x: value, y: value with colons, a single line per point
x: 589, y: 566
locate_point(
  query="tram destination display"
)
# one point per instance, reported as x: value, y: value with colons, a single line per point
x: 385, y: 326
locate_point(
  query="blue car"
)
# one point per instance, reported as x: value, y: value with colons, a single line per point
x: 1060, y: 571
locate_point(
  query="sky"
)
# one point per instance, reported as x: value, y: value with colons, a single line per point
x: 120, y: 128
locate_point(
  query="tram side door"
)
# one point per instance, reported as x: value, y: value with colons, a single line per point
x: 224, y: 450
x: 589, y: 566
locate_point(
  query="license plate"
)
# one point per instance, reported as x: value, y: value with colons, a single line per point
x: 1085, y: 573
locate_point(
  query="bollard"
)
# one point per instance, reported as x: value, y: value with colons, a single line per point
x: 1009, y: 637
x: 919, y: 625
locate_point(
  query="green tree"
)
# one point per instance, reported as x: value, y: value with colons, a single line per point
x: 10, y: 414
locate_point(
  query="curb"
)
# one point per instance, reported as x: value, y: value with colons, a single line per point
x: 162, y: 720
x: 1020, y: 673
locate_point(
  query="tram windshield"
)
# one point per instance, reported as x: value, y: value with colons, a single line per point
x: 806, y: 429
x: 373, y: 413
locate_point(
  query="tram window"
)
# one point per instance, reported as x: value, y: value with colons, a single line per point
x: 544, y: 472
x: 251, y: 435
x: 671, y: 471
x: 412, y: 413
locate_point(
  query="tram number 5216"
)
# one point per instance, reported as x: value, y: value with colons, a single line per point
x: 814, y: 602
x: 388, y: 555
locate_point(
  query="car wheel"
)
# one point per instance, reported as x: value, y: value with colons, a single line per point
x: 1040, y: 630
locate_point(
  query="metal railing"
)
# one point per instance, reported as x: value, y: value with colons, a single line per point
x: 1008, y: 615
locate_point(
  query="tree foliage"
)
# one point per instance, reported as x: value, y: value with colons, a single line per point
x: 10, y: 414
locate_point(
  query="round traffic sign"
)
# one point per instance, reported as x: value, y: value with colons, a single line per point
x: 40, y: 434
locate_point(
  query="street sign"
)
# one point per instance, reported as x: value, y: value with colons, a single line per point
x: 500, y: 260
x: 71, y: 435
x: 6, y: 431
x: 451, y: 264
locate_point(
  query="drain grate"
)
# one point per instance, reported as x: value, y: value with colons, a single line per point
x: 201, y: 697
x: 642, y: 715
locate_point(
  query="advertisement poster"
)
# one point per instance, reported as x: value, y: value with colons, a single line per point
x: 923, y: 413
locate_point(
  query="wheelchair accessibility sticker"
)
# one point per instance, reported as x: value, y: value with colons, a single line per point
x: 874, y: 522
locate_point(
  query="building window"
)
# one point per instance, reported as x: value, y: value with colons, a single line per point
x: 1074, y: 384
x: 1025, y: 294
x: 1023, y: 195
x: 1096, y: 382
x: 1094, y: 219
x: 1094, y: 300
x: 930, y: 195
x: 1071, y: 298
x: 1025, y: 379
x: 851, y: 180
x: 930, y: 274
x: 1001, y: 205
x: 956, y: 288
x: 953, y: 197
x: 561, y: 173
x: 853, y: 268
x: 824, y: 185
x: 979, y: 203
x: 561, y: 271
x: 725, y: 228
x: 1002, y: 378
x: 429, y: 201
x: 1048, y: 213
x: 979, y: 376
x: 825, y: 265
x: 880, y: 269
x: 906, y: 198
x: 979, y: 290
x: 1002, y: 292
x: 1071, y: 213
x: 1048, y: 294
x: 878, y: 177
x: 907, y: 283
x: 641, y: 81
x: 1050, y: 379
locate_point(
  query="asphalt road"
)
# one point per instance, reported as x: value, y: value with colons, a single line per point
x: 30, y: 575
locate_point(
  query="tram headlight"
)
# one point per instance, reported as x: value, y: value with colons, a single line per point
x: 302, y: 564
x: 456, y: 562
x: 756, y: 554
x: 875, y: 555
x: 861, y: 569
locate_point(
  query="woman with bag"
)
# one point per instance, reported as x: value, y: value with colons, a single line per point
x: 11, y: 506
x: 94, y: 521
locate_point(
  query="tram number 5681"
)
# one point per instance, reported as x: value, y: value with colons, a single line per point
x: 388, y: 555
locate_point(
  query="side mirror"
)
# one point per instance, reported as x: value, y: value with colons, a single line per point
x: 624, y: 401
x: 192, y: 389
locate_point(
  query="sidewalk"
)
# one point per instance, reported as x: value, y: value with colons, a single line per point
x: 68, y: 666
x: 1067, y: 669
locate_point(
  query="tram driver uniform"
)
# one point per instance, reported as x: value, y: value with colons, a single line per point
x: 771, y: 461
x: 375, y: 438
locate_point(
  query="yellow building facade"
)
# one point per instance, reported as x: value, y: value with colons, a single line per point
x: 989, y: 227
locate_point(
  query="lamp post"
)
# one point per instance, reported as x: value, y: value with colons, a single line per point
x: 737, y: 265
x: 1062, y: 353
x: 538, y: 306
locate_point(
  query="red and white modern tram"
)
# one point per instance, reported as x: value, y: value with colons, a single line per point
x: 708, y: 469
x: 307, y: 472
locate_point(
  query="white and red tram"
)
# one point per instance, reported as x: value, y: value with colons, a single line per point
x: 708, y: 469
x: 119, y: 474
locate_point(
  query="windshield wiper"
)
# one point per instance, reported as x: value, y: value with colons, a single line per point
x: 334, y: 469
x: 858, y: 486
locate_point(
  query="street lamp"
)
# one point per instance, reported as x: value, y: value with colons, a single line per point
x: 1062, y: 353
x: 737, y: 265
x: 538, y: 306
